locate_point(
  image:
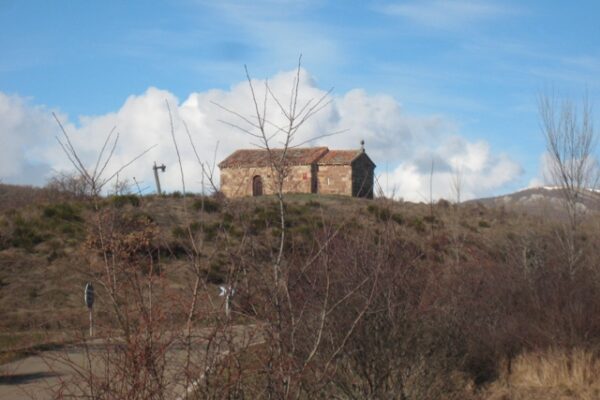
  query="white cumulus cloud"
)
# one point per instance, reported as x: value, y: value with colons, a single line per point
x: 437, y: 168
x: 23, y: 126
x: 402, y: 145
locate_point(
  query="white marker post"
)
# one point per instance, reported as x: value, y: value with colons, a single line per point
x: 88, y: 297
x: 227, y: 292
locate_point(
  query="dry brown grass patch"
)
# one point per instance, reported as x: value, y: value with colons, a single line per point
x: 552, y: 374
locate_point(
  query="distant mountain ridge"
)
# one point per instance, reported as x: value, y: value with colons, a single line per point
x: 542, y: 200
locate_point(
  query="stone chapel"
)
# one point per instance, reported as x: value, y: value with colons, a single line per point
x: 247, y: 172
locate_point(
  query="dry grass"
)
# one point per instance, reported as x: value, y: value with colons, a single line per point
x: 465, y: 262
x: 553, y: 374
x: 43, y: 266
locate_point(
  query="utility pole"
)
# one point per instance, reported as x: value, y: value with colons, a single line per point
x: 156, y: 168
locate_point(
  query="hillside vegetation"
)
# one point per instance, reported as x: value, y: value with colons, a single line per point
x: 383, y: 299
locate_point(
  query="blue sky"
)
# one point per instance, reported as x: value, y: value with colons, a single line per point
x: 477, y: 66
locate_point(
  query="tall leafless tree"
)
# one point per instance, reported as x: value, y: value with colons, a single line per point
x: 570, y: 136
x: 295, y: 340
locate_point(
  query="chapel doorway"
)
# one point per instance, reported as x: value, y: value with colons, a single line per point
x: 257, y: 186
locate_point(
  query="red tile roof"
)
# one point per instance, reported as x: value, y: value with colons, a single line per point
x: 340, y: 157
x: 261, y: 158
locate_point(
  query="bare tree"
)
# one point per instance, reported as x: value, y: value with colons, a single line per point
x: 94, y: 179
x: 298, y: 328
x: 570, y: 142
x: 457, y: 236
x: 156, y: 341
x: 71, y: 184
x: 456, y: 185
x: 266, y: 131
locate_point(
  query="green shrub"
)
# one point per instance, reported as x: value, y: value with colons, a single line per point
x: 122, y: 200
x: 313, y: 204
x: 264, y: 217
x: 179, y: 232
x: 211, y: 231
x: 304, y: 230
x: 484, y: 224
x: 62, y: 211
x: 24, y: 234
x: 256, y: 226
x: 210, y: 205
x: 380, y: 213
x: 259, y: 209
x: 417, y: 224
x: 143, y: 216
x: 294, y: 209
x: 351, y: 225
x: 69, y: 229
x: 33, y: 293
x: 430, y: 219
x: 56, y: 250
x: 175, y: 250
x: 26, y: 238
x: 63, y: 218
x: 182, y: 231
x: 398, y: 218
x: 227, y: 218
x: 215, y: 273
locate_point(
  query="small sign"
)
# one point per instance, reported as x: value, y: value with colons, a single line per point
x: 226, y: 291
x: 88, y: 295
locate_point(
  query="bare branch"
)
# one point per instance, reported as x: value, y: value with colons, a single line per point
x: 319, y: 137
x: 103, y: 149
x: 241, y: 129
x: 128, y: 164
x: 108, y: 158
x: 237, y: 115
x: 281, y: 108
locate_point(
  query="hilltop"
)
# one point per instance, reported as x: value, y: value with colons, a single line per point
x: 465, y: 288
x: 44, y: 259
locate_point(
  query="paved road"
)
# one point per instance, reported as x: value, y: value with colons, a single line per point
x: 42, y: 376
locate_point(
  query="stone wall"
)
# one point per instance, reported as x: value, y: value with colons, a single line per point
x: 348, y: 180
x: 335, y: 179
x: 362, y: 177
x: 237, y: 182
x: 298, y: 179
